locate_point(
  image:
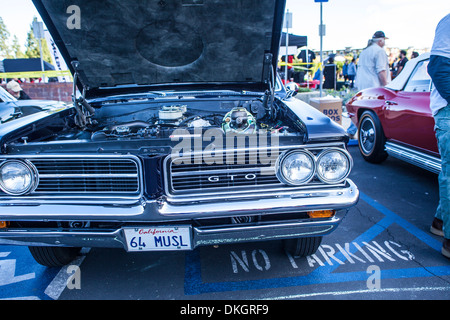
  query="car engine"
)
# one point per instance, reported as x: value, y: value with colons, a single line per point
x: 114, y: 120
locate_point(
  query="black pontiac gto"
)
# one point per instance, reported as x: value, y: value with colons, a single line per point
x: 180, y: 135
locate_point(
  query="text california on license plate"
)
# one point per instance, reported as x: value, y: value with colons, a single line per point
x: 158, y: 238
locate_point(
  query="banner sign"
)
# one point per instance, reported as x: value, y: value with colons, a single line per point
x: 57, y: 59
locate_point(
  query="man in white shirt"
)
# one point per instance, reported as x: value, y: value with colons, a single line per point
x: 373, y: 66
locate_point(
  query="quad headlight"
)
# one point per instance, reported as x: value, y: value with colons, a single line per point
x: 296, y: 167
x: 299, y: 167
x: 333, y: 165
x: 17, y: 177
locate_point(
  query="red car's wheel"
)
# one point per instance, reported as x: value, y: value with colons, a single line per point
x: 371, y: 138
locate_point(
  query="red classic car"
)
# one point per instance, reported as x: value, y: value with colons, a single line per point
x: 396, y: 119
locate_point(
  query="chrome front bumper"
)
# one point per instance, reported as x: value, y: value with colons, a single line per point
x: 200, y: 236
x: 164, y: 212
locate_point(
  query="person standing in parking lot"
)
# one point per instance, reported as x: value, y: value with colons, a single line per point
x: 352, y: 72
x: 402, y: 62
x: 439, y: 70
x: 373, y: 65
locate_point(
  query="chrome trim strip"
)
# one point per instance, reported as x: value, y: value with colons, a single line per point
x: 414, y: 157
x: 321, y: 199
x: 69, y: 156
x: 268, y: 190
x: 264, y: 232
x: 93, y: 175
x: 165, y: 210
x: 207, y: 172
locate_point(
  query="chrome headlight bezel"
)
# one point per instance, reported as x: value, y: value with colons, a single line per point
x: 342, y: 177
x: 31, y: 171
x: 284, y: 157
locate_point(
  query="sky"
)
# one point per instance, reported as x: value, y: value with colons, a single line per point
x: 349, y: 23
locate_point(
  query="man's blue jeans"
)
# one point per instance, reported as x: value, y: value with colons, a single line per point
x: 442, y: 128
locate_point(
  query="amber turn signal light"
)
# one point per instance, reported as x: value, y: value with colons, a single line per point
x: 321, y: 213
x: 4, y: 224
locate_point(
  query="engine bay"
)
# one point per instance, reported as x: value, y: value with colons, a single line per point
x: 143, y: 119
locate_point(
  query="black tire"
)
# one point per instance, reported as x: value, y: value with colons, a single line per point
x: 54, y: 256
x: 302, y: 247
x: 371, y: 139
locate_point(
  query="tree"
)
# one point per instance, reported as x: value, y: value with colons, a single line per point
x: 32, y: 47
x: 16, y: 50
x: 5, y: 50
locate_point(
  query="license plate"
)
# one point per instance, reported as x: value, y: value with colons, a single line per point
x: 158, y: 238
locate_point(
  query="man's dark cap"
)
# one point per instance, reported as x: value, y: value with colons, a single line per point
x: 379, y: 34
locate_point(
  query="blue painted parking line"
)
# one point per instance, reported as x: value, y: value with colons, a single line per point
x: 323, y: 274
x: 21, y: 277
x: 423, y: 236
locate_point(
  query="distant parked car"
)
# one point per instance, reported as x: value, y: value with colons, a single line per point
x: 396, y: 119
x: 11, y: 108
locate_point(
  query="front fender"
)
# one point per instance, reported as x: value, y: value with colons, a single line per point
x: 318, y: 126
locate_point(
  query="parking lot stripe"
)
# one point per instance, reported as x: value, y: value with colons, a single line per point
x: 323, y: 274
x: 320, y: 276
x: 421, y: 235
x: 33, y: 277
x: 342, y: 293
x: 59, y: 283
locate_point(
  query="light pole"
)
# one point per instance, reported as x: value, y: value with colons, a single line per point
x: 38, y: 30
x: 287, y: 25
x: 321, y: 34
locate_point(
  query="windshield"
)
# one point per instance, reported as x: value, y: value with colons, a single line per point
x: 419, y: 80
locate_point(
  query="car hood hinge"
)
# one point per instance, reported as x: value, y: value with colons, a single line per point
x: 85, y: 111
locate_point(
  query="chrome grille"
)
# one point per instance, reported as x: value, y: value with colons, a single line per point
x: 83, y: 185
x: 85, y: 166
x: 239, y: 171
x: 82, y: 176
x: 225, y: 176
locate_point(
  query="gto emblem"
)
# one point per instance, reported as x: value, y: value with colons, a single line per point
x: 249, y: 176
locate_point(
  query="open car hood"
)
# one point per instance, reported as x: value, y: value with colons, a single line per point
x: 136, y: 44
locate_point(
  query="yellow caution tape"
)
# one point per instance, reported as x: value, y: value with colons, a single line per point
x: 35, y: 74
x: 297, y: 63
x: 316, y: 65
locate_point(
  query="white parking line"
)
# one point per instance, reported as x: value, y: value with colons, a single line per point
x: 22, y: 298
x: 59, y: 283
x: 341, y: 293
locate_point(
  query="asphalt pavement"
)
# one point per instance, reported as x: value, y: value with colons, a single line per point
x: 382, y: 250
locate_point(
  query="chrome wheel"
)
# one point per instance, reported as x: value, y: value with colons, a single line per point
x: 367, y: 135
x: 371, y: 138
